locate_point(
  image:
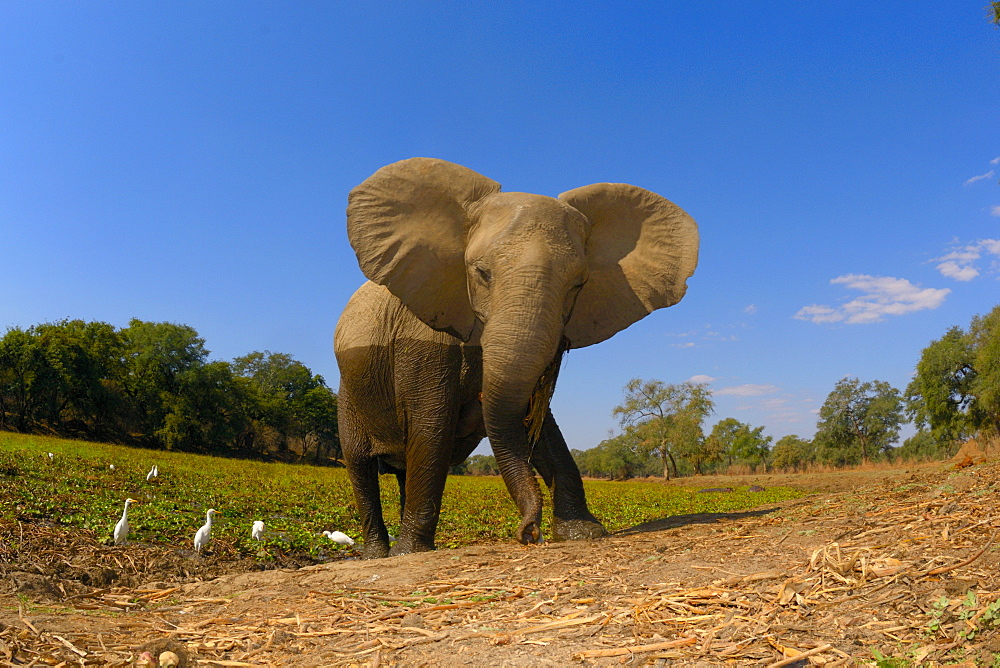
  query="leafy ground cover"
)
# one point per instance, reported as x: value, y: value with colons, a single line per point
x: 77, y: 490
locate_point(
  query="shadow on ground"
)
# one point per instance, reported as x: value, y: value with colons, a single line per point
x: 675, y: 521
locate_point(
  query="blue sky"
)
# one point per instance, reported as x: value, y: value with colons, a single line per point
x: 190, y: 162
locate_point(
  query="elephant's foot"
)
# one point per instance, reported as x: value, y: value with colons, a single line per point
x: 409, y: 546
x: 376, y: 549
x: 530, y: 531
x: 577, y: 529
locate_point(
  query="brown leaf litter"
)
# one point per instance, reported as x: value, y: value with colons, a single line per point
x: 905, y: 567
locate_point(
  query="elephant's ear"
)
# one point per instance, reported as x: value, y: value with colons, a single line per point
x: 407, y: 223
x: 641, y: 251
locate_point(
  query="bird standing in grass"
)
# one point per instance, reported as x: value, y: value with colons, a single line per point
x: 153, y: 472
x: 205, y: 532
x: 121, y: 529
x: 52, y: 457
x: 258, y: 530
x: 339, y: 538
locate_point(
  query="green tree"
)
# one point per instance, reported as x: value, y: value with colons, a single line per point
x: 21, y: 362
x: 736, y: 441
x: 955, y: 392
x: 84, y: 363
x: 922, y: 446
x: 942, y: 392
x: 752, y: 446
x: 665, y: 419
x: 156, y: 355
x: 482, y: 465
x: 619, y: 458
x: 206, y: 412
x: 290, y: 407
x: 790, y: 452
x: 723, y: 438
x: 859, y: 421
x: 984, y: 332
x: 61, y: 375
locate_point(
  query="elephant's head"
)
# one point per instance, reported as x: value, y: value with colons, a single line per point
x: 535, y: 272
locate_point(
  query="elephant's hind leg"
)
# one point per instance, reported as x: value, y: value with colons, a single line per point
x: 571, y: 518
x: 363, y: 467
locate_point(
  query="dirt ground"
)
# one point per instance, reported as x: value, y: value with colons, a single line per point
x: 885, y: 562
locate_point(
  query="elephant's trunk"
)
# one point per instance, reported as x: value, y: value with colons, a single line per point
x: 520, y: 361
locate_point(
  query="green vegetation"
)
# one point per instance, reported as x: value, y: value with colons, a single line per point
x: 665, y: 421
x: 76, y: 490
x: 151, y: 384
x: 955, y: 392
x: 859, y: 422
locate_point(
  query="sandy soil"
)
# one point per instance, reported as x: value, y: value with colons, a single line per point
x: 899, y: 562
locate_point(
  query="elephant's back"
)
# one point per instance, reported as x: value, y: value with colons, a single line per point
x: 363, y: 322
x: 374, y: 317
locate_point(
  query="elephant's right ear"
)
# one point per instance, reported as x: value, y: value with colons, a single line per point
x: 407, y: 223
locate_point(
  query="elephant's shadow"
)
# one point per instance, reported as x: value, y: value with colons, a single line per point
x: 675, y: 521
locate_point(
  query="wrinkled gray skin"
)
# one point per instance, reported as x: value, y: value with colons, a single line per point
x: 471, y: 291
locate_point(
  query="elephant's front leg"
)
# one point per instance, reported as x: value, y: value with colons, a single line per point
x: 571, y: 518
x: 427, y: 463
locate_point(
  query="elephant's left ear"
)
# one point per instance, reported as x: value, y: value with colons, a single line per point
x: 641, y: 251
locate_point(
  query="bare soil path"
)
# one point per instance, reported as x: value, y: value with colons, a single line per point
x: 899, y: 562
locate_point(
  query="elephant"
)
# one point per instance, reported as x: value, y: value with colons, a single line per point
x: 473, y: 296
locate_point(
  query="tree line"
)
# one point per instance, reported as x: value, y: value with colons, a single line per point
x: 152, y: 384
x: 953, y: 396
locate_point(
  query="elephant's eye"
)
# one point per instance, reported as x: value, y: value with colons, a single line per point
x: 484, y: 274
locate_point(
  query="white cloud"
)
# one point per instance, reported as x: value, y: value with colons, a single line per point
x: 819, y: 313
x: 995, y: 211
x: 960, y: 262
x: 700, y: 379
x: 960, y: 272
x: 881, y: 296
x: 987, y: 175
x: 995, y: 161
x: 689, y: 344
x: 750, y: 310
x: 747, y: 390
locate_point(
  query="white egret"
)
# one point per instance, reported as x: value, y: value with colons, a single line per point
x: 111, y: 466
x: 153, y: 472
x: 258, y: 530
x: 205, y: 532
x: 339, y: 538
x: 121, y: 529
x: 52, y: 457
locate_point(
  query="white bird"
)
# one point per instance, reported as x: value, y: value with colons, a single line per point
x: 258, y: 530
x: 121, y: 529
x: 205, y: 532
x: 153, y: 472
x: 111, y: 466
x: 52, y: 457
x: 339, y: 537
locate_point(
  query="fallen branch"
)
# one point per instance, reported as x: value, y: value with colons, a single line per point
x: 800, y: 656
x: 945, y: 569
x: 637, y: 649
